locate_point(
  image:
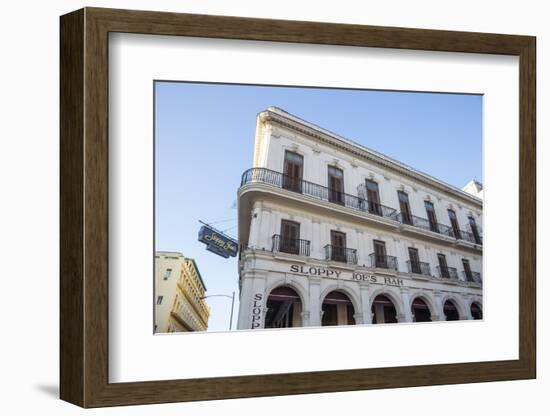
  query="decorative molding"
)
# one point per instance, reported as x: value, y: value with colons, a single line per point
x: 301, y: 126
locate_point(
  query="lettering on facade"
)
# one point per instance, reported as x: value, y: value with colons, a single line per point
x: 256, y: 310
x: 337, y: 274
x: 315, y: 271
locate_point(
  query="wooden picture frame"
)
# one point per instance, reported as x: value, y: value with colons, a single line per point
x: 84, y: 207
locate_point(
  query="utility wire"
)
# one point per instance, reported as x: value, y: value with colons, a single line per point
x: 220, y: 221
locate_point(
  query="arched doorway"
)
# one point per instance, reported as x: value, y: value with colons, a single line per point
x: 451, y: 311
x: 383, y: 310
x: 420, y: 311
x: 284, y: 308
x: 337, y: 309
x: 475, y: 309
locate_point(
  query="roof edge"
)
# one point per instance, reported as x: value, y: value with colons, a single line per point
x: 277, y: 113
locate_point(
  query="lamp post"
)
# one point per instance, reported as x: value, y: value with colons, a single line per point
x: 232, y: 297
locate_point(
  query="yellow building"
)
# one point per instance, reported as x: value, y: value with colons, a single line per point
x: 179, y: 292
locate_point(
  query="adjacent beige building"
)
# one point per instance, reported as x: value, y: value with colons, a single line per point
x: 179, y: 292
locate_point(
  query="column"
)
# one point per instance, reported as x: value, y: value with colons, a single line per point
x: 305, y: 318
x: 466, y: 301
x: 364, y: 289
x: 439, y: 315
x: 255, y: 225
x: 253, y: 301
x: 314, y: 306
x: 361, y: 249
x: 316, y: 240
x: 243, y: 321
x: 406, y: 315
x: 265, y: 229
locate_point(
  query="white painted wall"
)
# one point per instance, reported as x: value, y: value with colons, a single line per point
x: 274, y: 141
x: 359, y: 236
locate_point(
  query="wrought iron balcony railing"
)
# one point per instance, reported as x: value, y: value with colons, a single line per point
x: 341, y: 254
x: 425, y: 224
x: 474, y: 277
x: 419, y: 267
x: 439, y: 228
x: 290, y: 245
x: 280, y: 180
x: 447, y: 272
x: 383, y: 262
x: 474, y: 234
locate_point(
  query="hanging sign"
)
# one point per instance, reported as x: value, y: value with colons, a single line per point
x: 217, y: 242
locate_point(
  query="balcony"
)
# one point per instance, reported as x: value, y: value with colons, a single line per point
x: 473, y: 277
x: 290, y: 245
x: 425, y: 224
x: 419, y: 267
x: 447, y: 272
x: 383, y: 262
x: 473, y: 234
x: 280, y: 180
x: 314, y: 190
x: 341, y: 254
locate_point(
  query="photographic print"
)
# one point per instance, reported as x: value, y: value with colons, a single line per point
x: 290, y: 207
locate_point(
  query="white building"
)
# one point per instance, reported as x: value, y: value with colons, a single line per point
x: 334, y: 233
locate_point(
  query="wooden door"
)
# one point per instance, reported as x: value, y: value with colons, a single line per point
x: 293, y: 170
x: 432, y: 219
x: 380, y: 254
x: 335, y: 185
x: 404, y: 207
x: 373, y: 197
x: 338, y: 243
x: 454, y: 223
x: 290, y: 235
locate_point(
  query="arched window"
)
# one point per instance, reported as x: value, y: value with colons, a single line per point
x: 421, y: 311
x: 337, y: 309
x: 383, y: 310
x: 451, y: 311
x: 475, y: 309
x: 284, y: 308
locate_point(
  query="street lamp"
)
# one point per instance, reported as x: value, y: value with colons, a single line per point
x: 232, y: 297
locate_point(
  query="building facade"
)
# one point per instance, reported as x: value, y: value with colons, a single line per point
x: 333, y: 233
x: 179, y: 293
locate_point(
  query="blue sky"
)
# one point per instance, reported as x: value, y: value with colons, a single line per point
x: 204, y: 140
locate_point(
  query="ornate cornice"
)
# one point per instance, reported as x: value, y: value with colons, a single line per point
x: 289, y: 121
